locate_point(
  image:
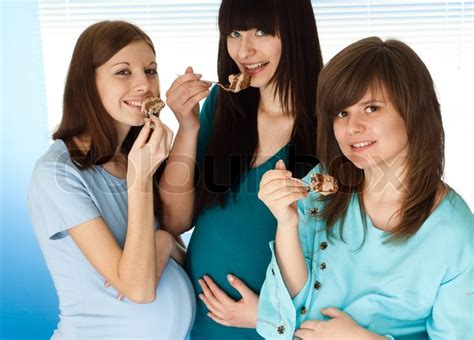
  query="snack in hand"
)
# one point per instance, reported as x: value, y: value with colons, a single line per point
x: 323, y: 184
x: 152, y: 106
x: 237, y: 82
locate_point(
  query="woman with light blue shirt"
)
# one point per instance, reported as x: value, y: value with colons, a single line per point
x: 93, y: 202
x: 391, y: 253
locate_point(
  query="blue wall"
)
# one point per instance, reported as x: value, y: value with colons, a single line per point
x: 28, y: 302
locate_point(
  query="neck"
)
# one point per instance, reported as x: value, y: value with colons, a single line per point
x: 385, y: 184
x: 270, y: 104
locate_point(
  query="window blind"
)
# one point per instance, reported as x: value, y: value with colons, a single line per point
x: 185, y: 33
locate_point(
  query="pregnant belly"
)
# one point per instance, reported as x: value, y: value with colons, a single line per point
x: 170, y: 316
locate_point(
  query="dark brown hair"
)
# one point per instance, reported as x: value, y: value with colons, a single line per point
x: 83, y: 111
x: 234, y: 132
x: 370, y: 64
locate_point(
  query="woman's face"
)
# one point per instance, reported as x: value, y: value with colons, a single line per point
x: 372, y: 134
x: 125, y: 80
x: 256, y: 54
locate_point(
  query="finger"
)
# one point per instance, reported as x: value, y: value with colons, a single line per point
x: 280, y: 195
x: 288, y: 200
x: 280, y: 165
x: 180, y: 80
x: 158, y: 132
x: 219, y: 320
x: 241, y: 287
x: 189, y: 69
x: 333, y: 312
x: 218, y: 293
x: 279, y: 184
x: 309, y: 324
x: 210, y: 306
x: 143, y: 135
x: 211, y: 299
x: 304, y: 333
x: 184, y: 98
x: 271, y: 175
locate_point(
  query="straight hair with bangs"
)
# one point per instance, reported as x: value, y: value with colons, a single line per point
x: 234, y: 130
x: 372, y: 63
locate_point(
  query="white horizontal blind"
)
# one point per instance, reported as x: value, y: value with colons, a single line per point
x: 185, y: 33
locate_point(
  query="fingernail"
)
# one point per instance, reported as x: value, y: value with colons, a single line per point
x: 198, y: 76
x: 230, y: 278
x: 106, y: 284
x: 288, y: 173
x: 200, y: 296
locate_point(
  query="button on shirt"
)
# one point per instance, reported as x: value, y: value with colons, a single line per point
x: 419, y: 287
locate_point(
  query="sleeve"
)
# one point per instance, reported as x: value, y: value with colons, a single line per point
x: 206, y: 118
x: 279, y: 314
x: 452, y: 315
x: 58, y: 199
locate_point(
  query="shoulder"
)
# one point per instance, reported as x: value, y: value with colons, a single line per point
x: 55, y: 171
x: 454, y: 217
x: 54, y: 161
x: 449, y: 231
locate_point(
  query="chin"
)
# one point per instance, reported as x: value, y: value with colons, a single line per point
x: 360, y: 162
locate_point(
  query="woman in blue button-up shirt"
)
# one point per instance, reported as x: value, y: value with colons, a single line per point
x: 390, y: 254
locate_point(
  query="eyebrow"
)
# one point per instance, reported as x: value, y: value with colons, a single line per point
x: 371, y: 101
x: 127, y: 63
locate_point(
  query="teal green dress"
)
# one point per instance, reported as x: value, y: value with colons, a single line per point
x: 233, y: 239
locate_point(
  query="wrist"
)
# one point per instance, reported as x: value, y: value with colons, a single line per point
x: 189, y: 129
x: 289, y: 223
x: 140, y: 184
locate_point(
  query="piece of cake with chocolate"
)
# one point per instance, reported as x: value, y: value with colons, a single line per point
x: 152, y: 106
x: 238, y: 82
x: 323, y: 184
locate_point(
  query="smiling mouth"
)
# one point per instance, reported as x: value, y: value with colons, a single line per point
x: 361, y: 145
x: 255, y: 66
x: 133, y: 103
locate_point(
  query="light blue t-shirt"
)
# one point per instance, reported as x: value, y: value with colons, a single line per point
x: 62, y: 196
x: 423, y: 287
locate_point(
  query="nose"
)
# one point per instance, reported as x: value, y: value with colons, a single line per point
x: 142, y: 83
x: 356, y: 124
x: 246, y: 47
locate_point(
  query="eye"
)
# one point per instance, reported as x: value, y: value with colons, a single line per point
x: 124, y: 72
x: 372, y: 108
x: 151, y: 72
x: 342, y: 114
x: 234, y: 34
x: 260, y: 33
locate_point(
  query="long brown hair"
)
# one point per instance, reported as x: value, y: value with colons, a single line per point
x: 234, y: 132
x: 368, y: 64
x: 83, y: 111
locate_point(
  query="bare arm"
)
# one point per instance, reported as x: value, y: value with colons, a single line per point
x: 177, y: 182
x: 133, y: 270
x: 280, y: 192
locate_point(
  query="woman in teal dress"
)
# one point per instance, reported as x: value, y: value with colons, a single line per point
x: 235, y: 140
x: 391, y: 253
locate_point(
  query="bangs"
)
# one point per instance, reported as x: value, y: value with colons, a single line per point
x: 344, y: 87
x: 243, y: 15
